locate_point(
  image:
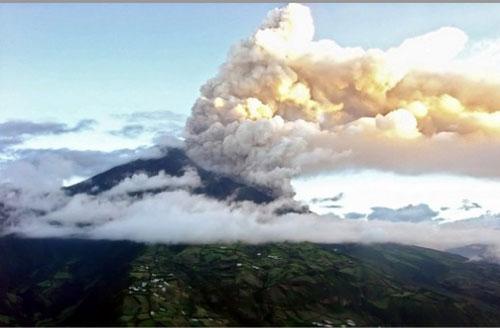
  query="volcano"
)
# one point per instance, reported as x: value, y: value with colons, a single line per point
x: 175, y: 163
x: 79, y: 282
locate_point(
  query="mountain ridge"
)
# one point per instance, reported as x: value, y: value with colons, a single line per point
x: 175, y: 163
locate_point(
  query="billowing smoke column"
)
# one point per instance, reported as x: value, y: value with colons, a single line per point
x: 283, y: 104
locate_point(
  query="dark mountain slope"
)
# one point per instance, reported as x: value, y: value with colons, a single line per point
x: 78, y: 282
x: 51, y: 281
x: 174, y: 163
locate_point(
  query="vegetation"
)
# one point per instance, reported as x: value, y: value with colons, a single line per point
x: 76, y: 282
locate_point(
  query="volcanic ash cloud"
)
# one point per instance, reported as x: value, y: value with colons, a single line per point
x: 283, y: 104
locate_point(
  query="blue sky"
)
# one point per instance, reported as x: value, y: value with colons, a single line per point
x: 72, y: 61
x: 68, y: 62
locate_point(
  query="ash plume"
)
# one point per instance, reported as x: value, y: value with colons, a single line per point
x: 285, y: 104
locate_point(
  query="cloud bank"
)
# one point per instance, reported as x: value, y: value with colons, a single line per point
x: 176, y: 215
x: 284, y: 104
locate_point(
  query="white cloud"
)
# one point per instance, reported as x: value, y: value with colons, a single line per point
x: 49, y: 169
x: 176, y: 215
x: 366, y: 189
x: 142, y: 182
x: 181, y: 217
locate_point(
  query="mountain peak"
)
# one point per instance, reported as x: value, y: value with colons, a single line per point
x: 175, y: 162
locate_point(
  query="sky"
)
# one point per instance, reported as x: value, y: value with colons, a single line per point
x: 74, y: 61
x: 113, y: 76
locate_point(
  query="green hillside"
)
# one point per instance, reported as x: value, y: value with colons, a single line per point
x: 78, y: 282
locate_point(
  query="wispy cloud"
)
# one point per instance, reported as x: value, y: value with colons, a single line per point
x: 129, y: 131
x: 410, y: 213
x: 15, y: 128
x: 154, y: 123
x: 158, y: 115
x: 354, y: 215
x: 333, y: 199
x: 16, y: 132
x: 468, y: 205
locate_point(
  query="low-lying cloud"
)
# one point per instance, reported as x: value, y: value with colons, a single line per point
x: 176, y: 215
